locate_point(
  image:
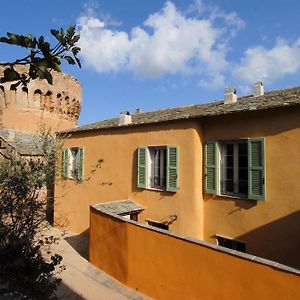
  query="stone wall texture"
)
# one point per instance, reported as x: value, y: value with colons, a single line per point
x: 26, y: 108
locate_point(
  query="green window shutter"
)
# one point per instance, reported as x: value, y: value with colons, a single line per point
x: 142, y: 167
x: 80, y: 164
x: 211, y: 167
x: 65, y: 167
x: 172, y: 168
x: 256, y: 169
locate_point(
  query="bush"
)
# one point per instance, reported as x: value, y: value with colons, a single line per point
x: 24, y: 272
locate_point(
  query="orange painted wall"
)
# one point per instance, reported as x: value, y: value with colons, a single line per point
x: 166, y: 267
x: 270, y: 228
x: 117, y: 147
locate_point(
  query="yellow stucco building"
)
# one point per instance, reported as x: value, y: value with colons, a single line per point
x: 225, y: 172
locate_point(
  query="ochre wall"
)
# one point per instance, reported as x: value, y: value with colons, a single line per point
x: 165, y: 267
x: 270, y: 228
x: 118, y: 148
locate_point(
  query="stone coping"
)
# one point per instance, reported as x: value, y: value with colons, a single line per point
x: 120, y: 207
x: 242, y: 255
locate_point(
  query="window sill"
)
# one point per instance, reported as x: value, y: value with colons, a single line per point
x: 239, y: 197
x: 155, y: 189
x: 70, y: 178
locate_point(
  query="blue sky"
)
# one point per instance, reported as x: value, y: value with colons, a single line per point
x: 158, y: 54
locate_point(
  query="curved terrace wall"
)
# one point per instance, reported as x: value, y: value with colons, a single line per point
x: 168, y: 266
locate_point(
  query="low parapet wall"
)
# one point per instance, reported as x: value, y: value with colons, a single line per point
x: 164, y: 265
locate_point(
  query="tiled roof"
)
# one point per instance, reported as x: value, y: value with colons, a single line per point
x: 24, y: 143
x: 120, y: 207
x: 273, y: 99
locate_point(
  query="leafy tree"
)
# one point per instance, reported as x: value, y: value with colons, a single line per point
x: 24, y: 272
x: 41, y: 57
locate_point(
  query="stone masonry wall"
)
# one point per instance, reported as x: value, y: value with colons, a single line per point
x: 26, y: 108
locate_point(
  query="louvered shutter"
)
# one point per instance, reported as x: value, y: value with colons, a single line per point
x: 211, y: 167
x: 172, y: 168
x: 65, y: 164
x: 80, y: 164
x: 256, y: 169
x: 142, y: 167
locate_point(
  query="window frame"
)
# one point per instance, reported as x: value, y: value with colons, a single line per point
x: 235, y: 244
x: 236, y: 168
x: 73, y: 163
x: 158, y: 225
x: 213, y: 168
x: 144, y: 167
x: 152, y: 167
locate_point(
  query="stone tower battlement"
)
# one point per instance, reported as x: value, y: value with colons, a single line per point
x: 26, y: 108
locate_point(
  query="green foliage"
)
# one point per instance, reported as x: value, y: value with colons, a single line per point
x: 24, y: 272
x: 41, y: 57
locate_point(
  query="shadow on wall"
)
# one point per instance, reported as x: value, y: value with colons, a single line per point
x: 80, y: 243
x: 278, y: 240
x: 278, y: 120
x: 65, y: 292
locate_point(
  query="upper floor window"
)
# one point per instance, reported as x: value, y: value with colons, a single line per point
x: 73, y: 163
x: 158, y: 168
x: 235, y: 168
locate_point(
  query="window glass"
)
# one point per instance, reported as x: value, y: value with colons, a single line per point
x: 73, y: 163
x: 229, y: 165
x: 158, y: 225
x: 242, y: 168
x: 234, y: 169
x: 231, y: 244
x: 158, y: 161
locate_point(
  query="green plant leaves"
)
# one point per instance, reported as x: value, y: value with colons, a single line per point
x: 42, y: 57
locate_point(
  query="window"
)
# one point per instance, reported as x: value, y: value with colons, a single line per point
x: 235, y: 168
x: 133, y: 216
x: 158, y: 225
x: 231, y: 244
x: 73, y: 163
x: 157, y: 168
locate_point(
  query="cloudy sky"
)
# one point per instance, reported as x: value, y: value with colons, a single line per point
x: 153, y: 54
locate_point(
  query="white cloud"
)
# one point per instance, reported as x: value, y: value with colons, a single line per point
x: 269, y: 65
x: 168, y: 42
x: 213, y: 82
x: 197, y: 6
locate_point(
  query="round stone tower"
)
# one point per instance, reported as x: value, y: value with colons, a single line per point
x: 27, y: 108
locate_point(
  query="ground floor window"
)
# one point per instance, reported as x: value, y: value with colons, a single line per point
x: 231, y: 244
x: 158, y: 225
x: 132, y: 216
